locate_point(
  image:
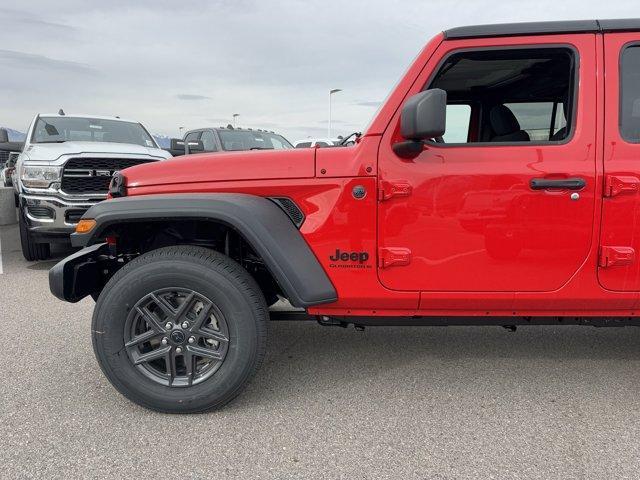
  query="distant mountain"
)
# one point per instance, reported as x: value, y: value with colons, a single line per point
x: 15, y: 135
x: 162, y: 140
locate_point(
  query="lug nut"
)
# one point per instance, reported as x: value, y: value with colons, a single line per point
x: 164, y: 341
x: 192, y: 339
x: 168, y: 325
x: 178, y: 349
x: 185, y: 324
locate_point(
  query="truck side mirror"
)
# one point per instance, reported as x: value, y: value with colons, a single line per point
x: 423, y: 116
x: 4, y: 135
x: 180, y: 147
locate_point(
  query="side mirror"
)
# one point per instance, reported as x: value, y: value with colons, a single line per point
x: 423, y: 116
x: 180, y: 147
x: 4, y: 135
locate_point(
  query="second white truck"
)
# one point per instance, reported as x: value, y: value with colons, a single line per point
x: 66, y: 166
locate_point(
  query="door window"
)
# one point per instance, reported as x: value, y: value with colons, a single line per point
x: 192, y: 137
x: 630, y: 94
x: 208, y: 141
x: 522, y: 95
x: 457, y: 128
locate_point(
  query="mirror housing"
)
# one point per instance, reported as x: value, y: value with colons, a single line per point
x: 424, y: 115
x: 180, y: 147
x: 4, y: 135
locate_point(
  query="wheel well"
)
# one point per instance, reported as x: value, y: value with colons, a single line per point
x: 133, y: 239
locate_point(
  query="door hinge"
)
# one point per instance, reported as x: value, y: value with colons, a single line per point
x: 397, y: 188
x: 393, y: 256
x: 617, y: 184
x: 616, y: 256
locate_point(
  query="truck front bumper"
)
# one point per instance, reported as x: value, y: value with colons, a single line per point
x: 79, y: 274
x: 52, y: 217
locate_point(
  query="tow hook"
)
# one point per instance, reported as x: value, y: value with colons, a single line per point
x: 511, y: 328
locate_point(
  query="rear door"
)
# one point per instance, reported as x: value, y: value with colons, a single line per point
x: 619, y: 265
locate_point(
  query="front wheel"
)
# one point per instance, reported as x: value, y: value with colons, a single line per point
x: 31, y: 250
x: 180, y: 329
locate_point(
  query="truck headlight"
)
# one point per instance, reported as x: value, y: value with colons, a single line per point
x: 40, y: 177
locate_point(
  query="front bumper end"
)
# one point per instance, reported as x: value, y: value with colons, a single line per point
x: 80, y: 274
x: 50, y: 216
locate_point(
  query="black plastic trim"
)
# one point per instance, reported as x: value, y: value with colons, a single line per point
x: 268, y: 230
x: 543, y: 28
x: 76, y: 276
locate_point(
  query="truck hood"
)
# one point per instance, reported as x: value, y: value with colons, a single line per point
x: 226, y: 166
x: 53, y: 151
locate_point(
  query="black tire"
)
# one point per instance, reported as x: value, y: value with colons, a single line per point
x: 32, y: 250
x: 221, y: 280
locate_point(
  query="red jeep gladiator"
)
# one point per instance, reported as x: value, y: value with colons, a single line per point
x: 498, y: 184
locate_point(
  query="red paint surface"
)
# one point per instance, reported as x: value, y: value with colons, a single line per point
x: 481, y: 241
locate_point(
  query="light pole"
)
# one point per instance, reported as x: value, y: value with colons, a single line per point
x: 235, y: 115
x: 331, y: 92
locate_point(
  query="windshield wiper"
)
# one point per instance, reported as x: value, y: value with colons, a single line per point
x: 261, y: 148
x: 52, y: 141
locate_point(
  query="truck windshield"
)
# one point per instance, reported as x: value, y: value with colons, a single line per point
x: 252, y: 140
x: 79, y: 129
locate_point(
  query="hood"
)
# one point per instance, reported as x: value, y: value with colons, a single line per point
x: 53, y: 151
x: 227, y: 166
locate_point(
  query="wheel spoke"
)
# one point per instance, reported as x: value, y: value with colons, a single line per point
x: 143, y: 337
x: 204, y: 352
x: 202, y: 317
x: 151, y: 319
x: 152, y: 355
x: 171, y: 365
x: 190, y: 362
x: 213, y: 335
x: 164, y: 306
x: 185, y: 307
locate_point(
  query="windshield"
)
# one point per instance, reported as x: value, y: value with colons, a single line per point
x: 252, y: 140
x: 64, y: 129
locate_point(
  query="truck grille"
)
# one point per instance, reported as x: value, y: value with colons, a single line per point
x: 92, y: 175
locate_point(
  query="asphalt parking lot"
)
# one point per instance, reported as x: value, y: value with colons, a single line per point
x: 457, y: 402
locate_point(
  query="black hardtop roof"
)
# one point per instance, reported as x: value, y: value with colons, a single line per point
x: 542, y: 28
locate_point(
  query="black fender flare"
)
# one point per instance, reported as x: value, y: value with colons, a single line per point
x: 263, y: 224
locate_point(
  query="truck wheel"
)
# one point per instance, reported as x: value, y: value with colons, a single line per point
x: 180, y: 329
x: 30, y: 249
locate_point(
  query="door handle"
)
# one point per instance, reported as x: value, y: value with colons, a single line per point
x: 574, y: 183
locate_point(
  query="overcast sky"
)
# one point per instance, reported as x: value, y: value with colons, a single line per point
x: 196, y: 63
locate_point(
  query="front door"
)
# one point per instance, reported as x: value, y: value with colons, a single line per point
x: 619, y: 267
x: 504, y: 202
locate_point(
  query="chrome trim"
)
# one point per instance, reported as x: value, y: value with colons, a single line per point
x: 59, y: 207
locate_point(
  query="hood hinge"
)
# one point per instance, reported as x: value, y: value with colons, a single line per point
x: 393, y: 256
x: 396, y: 188
x: 616, y: 256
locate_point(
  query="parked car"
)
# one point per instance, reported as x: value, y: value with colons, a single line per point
x: 451, y: 209
x: 229, y: 139
x: 7, y: 173
x: 65, y: 168
x: 7, y: 147
x: 317, y: 142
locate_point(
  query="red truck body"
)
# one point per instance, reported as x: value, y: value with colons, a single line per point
x: 439, y: 230
x: 497, y: 185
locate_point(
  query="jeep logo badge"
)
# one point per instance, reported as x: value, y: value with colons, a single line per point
x: 342, y: 259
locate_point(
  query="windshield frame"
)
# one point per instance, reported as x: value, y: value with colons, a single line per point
x: 33, y: 141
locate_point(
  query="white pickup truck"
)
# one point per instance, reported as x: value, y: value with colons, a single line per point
x: 66, y: 166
